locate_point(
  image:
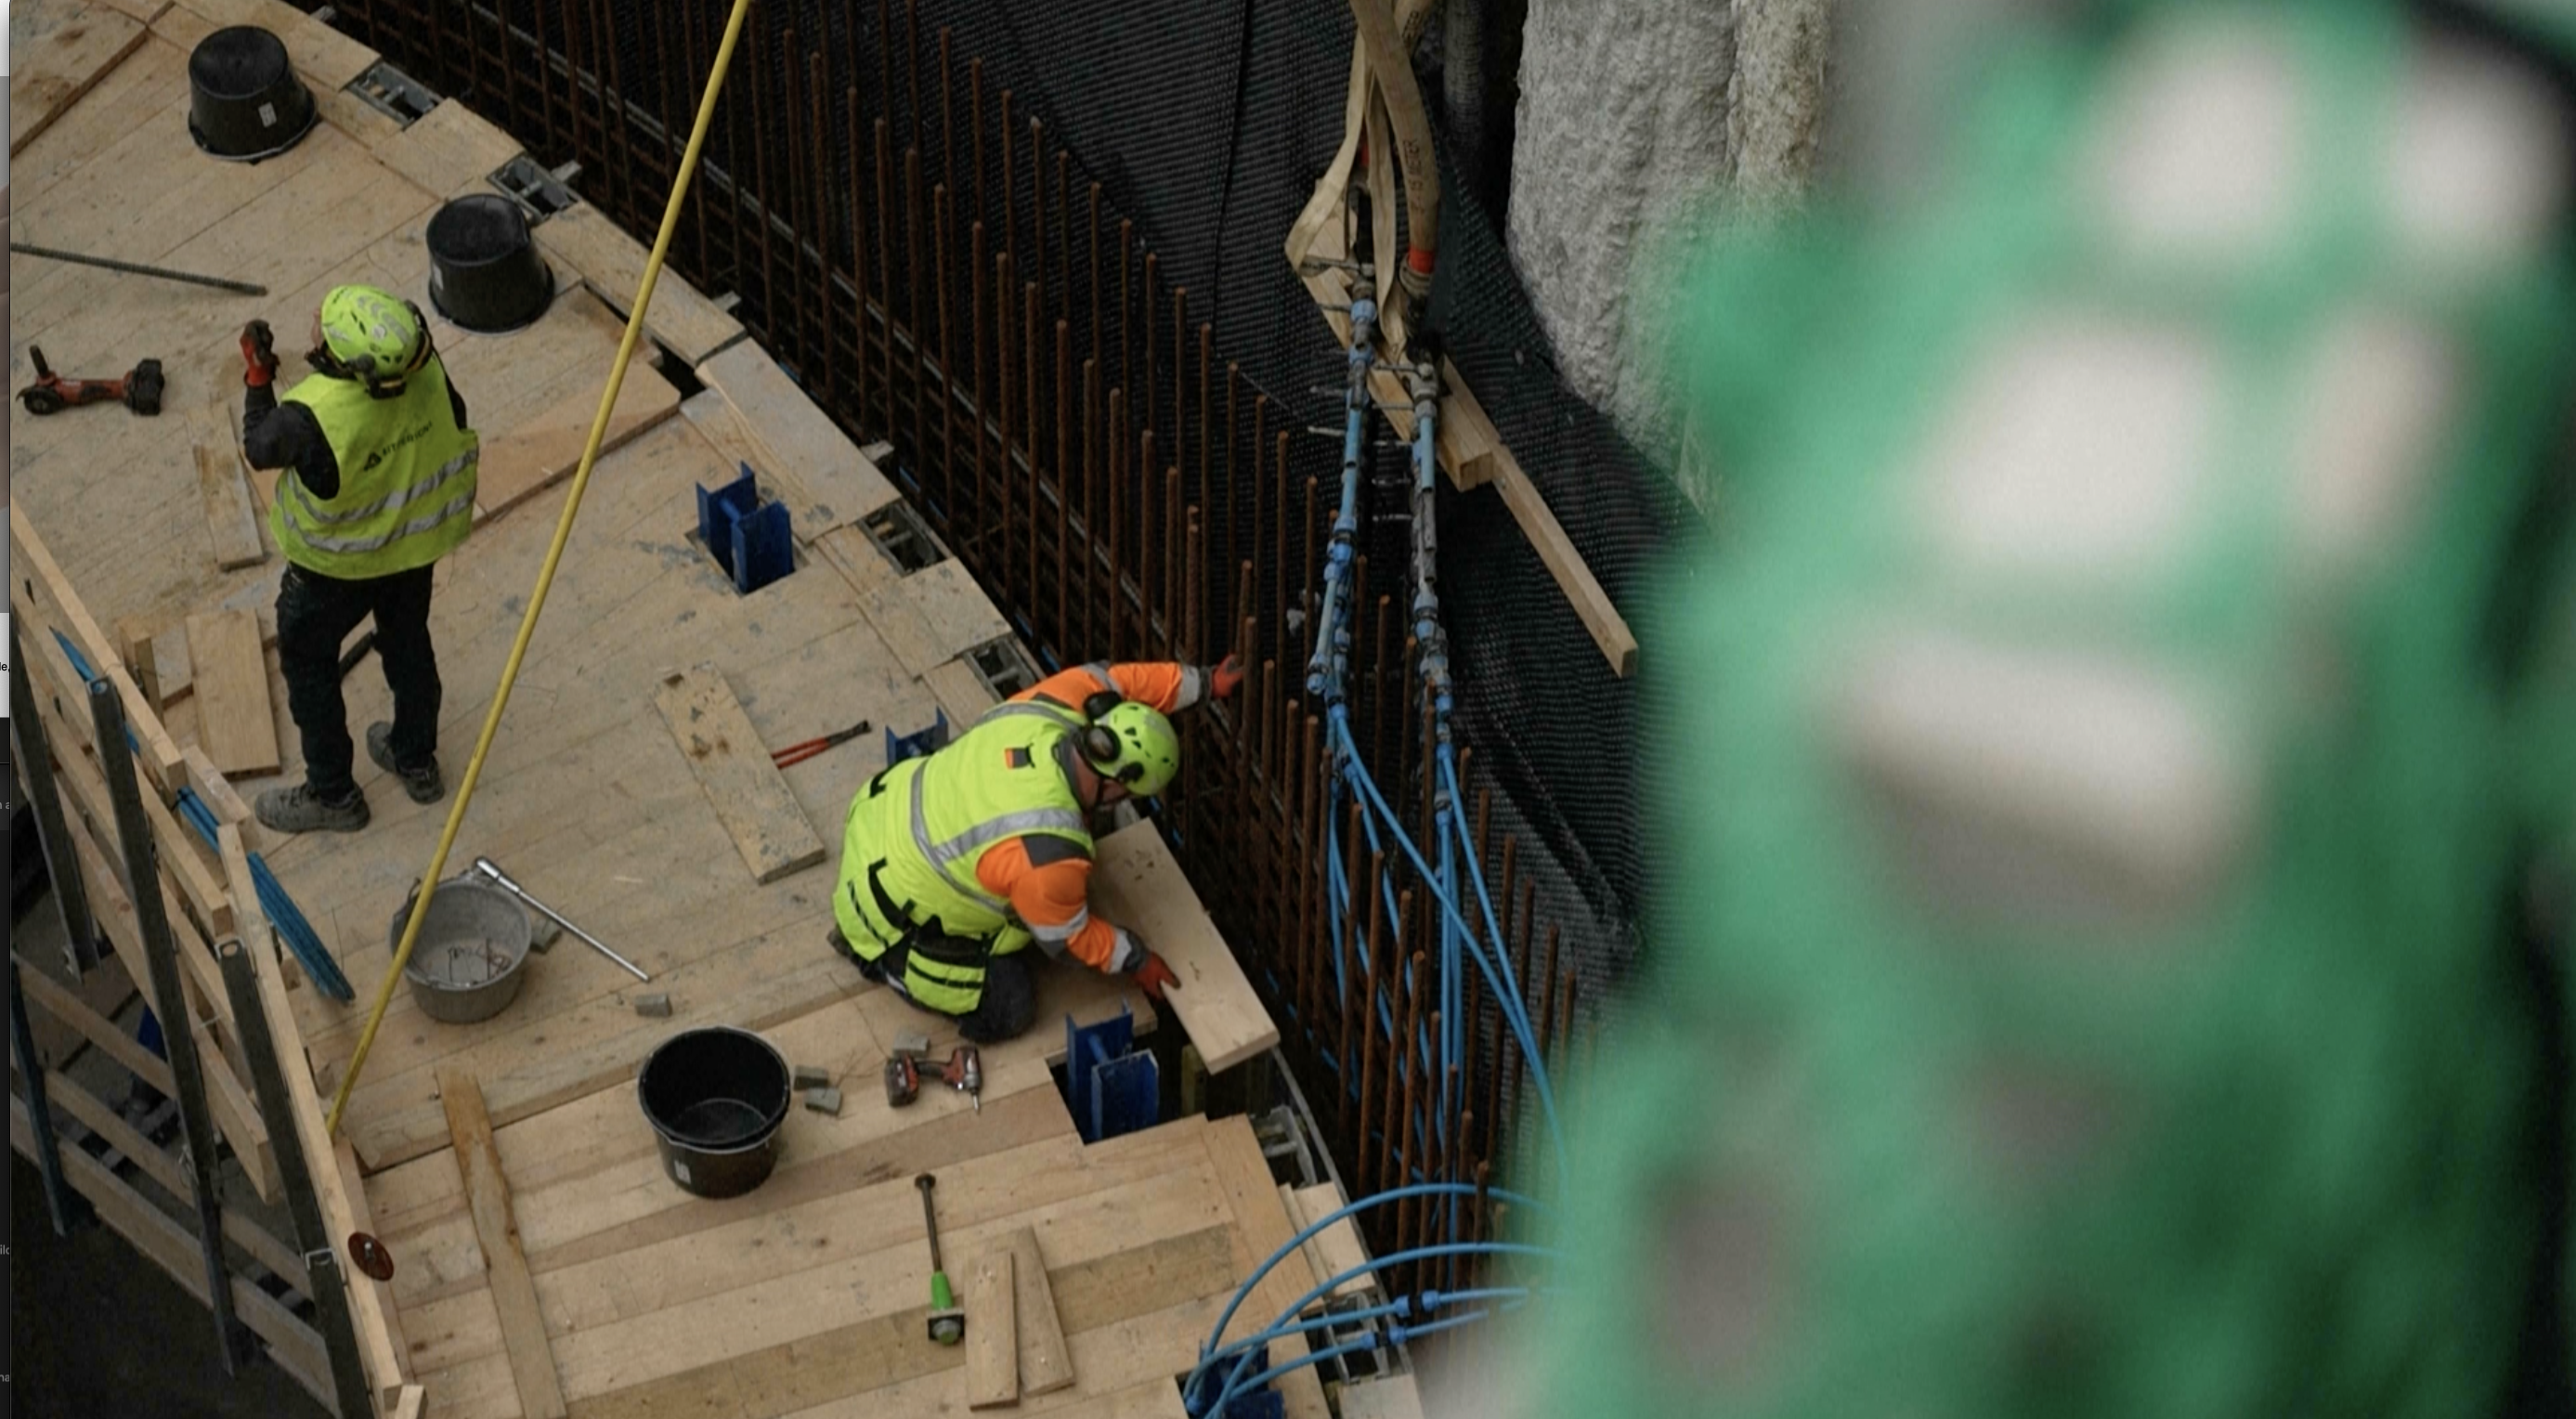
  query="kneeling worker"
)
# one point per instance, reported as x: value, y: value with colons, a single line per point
x: 953, y: 863
x: 379, y: 484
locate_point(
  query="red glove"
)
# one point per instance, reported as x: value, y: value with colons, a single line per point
x: 1227, y: 678
x: 259, y: 354
x: 1155, y: 977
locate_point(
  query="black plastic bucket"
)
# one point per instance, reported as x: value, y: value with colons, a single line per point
x: 244, y: 101
x: 484, y: 270
x: 716, y: 1097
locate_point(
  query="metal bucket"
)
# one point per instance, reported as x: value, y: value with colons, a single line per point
x: 716, y: 1098
x: 244, y: 101
x: 467, y: 965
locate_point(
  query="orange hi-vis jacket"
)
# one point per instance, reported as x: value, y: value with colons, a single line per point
x: 1047, y: 879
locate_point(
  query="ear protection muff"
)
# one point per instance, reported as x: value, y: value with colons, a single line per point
x: 1099, y: 746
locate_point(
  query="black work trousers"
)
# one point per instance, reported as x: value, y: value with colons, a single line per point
x: 1005, y: 1011
x: 315, y: 613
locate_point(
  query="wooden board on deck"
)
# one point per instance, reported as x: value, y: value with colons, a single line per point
x: 58, y: 50
x: 960, y: 616
x: 749, y: 794
x: 447, y: 149
x: 514, y: 1292
x: 1136, y: 884
x: 229, y: 519
x: 234, y: 717
x: 547, y: 449
x: 992, y: 1333
x: 1045, y: 1364
x: 1337, y: 1248
x: 612, y: 263
x: 808, y: 453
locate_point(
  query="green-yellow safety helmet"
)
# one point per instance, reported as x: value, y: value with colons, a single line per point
x: 1134, y: 744
x: 372, y: 334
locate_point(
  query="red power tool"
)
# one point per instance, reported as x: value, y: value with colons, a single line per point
x: 963, y: 1072
x: 139, y: 391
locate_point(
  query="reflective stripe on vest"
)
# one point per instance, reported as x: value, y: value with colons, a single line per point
x: 923, y: 826
x: 407, y: 479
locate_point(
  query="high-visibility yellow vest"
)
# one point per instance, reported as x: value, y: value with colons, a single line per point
x: 407, y: 477
x: 916, y: 832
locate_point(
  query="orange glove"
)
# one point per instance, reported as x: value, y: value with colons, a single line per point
x: 259, y: 354
x: 1155, y: 977
x: 1227, y: 678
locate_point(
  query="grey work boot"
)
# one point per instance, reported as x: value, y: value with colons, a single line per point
x: 424, y: 785
x: 301, y: 810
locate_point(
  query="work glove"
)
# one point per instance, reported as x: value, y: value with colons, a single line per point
x: 1227, y: 678
x: 259, y: 354
x: 1154, y: 977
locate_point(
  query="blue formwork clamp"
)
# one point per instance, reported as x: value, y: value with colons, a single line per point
x: 900, y: 747
x: 720, y: 509
x: 751, y: 541
x: 1112, y: 1086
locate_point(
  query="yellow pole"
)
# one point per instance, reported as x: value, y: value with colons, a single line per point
x: 554, y: 556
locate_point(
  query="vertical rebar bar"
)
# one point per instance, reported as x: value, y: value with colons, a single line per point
x: 947, y: 123
x: 1090, y: 507
x: 1029, y: 388
x: 1180, y: 371
x: 64, y: 1208
x: 1038, y: 273
x: 885, y: 261
x: 1373, y: 966
x: 1095, y: 273
x: 913, y: 323
x: 1148, y: 382
x: 1002, y: 402
x: 32, y: 744
x: 1117, y: 515
x: 947, y: 230
x: 1064, y: 562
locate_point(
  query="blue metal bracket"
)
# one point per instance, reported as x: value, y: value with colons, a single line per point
x: 1112, y: 1086
x: 752, y: 542
x: 900, y: 747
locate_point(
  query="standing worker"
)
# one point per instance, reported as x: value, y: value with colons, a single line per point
x: 379, y: 484
x: 952, y: 864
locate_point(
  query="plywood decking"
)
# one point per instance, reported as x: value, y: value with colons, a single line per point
x: 805, y: 1297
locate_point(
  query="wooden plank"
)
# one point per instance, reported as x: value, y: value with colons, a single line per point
x: 992, y: 1333
x: 1135, y: 883
x: 959, y: 614
x: 46, y: 994
x: 1609, y: 629
x: 229, y: 519
x: 749, y: 795
x: 611, y: 263
x: 960, y: 691
x: 826, y: 481
x: 447, y: 149
x: 1335, y: 1249
x: 547, y: 449
x: 1387, y: 1397
x: 59, y: 50
x: 136, y: 642
x: 174, y: 1249
x: 94, y: 1114
x: 1261, y: 1228
x: 514, y: 1293
x: 43, y: 580
x: 234, y: 716
x: 890, y: 1348
x: 407, y: 1404
x: 1046, y: 1365
x: 335, y: 1185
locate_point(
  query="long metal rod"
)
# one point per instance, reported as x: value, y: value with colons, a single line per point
x: 35, y: 763
x: 170, y: 1001
x: 324, y: 1281
x: 63, y: 1206
x: 133, y: 268
x: 490, y: 869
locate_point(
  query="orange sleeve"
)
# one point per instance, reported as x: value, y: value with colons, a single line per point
x: 1167, y: 686
x: 1053, y: 901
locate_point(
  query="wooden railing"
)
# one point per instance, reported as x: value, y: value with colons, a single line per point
x: 206, y: 892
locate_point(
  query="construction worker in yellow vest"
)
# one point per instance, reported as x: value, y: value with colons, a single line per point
x: 951, y: 865
x: 378, y: 484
